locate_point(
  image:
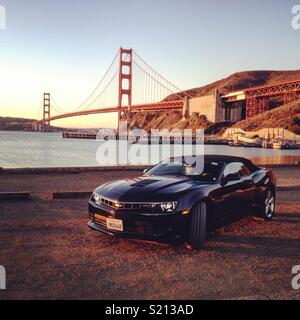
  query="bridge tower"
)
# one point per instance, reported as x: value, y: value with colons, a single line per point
x: 125, y: 80
x: 46, y: 112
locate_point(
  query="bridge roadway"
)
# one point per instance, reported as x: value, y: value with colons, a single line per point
x: 177, y: 104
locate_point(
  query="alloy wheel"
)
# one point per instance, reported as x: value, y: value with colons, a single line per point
x: 269, y: 204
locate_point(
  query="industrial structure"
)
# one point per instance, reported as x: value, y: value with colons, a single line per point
x: 253, y: 101
x: 138, y: 88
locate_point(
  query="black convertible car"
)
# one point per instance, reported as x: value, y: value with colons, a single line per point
x: 171, y: 200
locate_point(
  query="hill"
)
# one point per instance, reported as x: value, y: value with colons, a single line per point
x: 287, y: 116
x: 20, y: 124
x: 8, y: 123
x: 242, y: 80
x: 172, y: 120
x: 282, y: 117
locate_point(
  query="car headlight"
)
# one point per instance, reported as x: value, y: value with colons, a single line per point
x: 168, y: 206
x: 97, y: 198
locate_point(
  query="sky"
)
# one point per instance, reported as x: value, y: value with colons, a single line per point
x: 65, y: 46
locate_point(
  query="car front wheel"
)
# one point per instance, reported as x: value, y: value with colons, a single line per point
x: 198, y: 225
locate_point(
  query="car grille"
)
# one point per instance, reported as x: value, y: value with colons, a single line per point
x: 108, y: 202
x: 127, y: 205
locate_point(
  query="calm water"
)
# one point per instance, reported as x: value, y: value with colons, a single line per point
x: 34, y: 149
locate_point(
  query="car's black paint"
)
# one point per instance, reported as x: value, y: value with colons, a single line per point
x: 226, y: 199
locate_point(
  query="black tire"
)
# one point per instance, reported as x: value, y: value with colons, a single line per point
x: 198, y: 225
x: 267, y: 209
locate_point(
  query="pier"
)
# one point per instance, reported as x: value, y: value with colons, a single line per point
x: 145, y: 140
x: 79, y: 135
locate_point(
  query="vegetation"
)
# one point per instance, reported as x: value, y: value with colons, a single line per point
x: 172, y: 119
x: 287, y: 116
x: 7, y: 123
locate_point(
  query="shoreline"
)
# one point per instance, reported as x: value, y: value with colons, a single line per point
x: 85, y: 179
x: 44, y: 170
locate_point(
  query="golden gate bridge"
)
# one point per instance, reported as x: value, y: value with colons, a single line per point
x: 135, y: 87
x: 127, y: 74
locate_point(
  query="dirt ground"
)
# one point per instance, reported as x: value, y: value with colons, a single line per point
x: 50, y: 253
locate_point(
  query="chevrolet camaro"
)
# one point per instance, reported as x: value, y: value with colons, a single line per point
x: 176, y: 200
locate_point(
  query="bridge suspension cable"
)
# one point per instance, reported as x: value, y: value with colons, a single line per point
x: 154, y: 86
x: 98, y: 91
x: 101, y: 93
x: 55, y: 106
x: 84, y: 103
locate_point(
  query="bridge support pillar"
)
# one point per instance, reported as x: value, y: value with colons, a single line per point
x: 125, y: 80
x: 185, y: 109
x: 46, y: 112
x: 35, y: 126
x: 289, y: 97
x: 256, y: 105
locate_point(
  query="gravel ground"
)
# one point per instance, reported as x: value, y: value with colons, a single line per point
x: 50, y: 253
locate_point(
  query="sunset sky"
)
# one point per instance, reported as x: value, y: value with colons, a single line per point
x: 65, y: 46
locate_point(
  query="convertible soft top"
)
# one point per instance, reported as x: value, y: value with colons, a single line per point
x: 227, y: 159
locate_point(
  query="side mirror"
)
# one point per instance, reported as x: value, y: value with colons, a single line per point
x: 230, y: 177
x: 145, y: 171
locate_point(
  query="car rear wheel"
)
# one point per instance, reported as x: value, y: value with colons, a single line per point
x: 198, y: 225
x: 267, y: 210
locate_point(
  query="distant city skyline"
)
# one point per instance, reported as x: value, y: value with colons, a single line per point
x: 65, y: 46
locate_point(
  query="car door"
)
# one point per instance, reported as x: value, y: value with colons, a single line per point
x: 234, y: 197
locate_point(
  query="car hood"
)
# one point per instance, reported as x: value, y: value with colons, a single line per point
x: 152, y: 188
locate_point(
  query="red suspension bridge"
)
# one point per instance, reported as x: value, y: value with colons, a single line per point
x: 130, y: 85
x: 127, y: 74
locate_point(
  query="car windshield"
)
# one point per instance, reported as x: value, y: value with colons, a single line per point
x: 210, y: 173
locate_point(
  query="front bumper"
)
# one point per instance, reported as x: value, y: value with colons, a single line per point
x: 139, y: 225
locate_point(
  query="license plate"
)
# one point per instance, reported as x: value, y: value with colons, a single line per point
x: 114, y: 224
